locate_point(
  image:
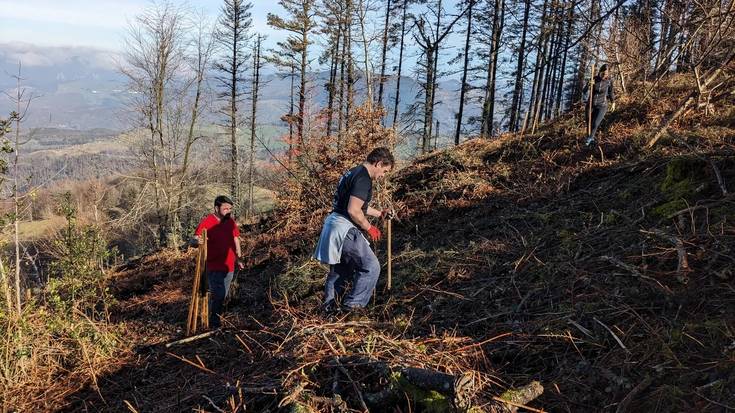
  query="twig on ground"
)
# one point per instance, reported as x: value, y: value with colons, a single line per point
x: 620, y: 343
x: 623, y: 405
x: 189, y: 339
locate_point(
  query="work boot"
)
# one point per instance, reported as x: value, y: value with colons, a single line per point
x: 356, y: 314
x: 329, y: 308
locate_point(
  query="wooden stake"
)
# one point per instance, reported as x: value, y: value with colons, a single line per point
x: 194, y: 293
x: 198, y: 307
x: 205, y: 311
x: 592, y: 91
x: 204, y: 292
x: 196, y: 311
x: 390, y: 254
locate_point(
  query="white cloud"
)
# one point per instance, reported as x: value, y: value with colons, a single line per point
x: 29, y: 58
x: 32, y: 55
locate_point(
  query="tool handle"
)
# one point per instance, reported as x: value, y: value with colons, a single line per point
x: 390, y: 254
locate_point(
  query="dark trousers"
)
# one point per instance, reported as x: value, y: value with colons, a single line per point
x: 598, y: 112
x: 219, y: 286
x: 358, y: 265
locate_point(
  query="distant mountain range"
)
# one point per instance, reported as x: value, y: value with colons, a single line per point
x: 80, y: 89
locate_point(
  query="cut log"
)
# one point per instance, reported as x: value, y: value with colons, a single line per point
x: 509, y: 401
x: 460, y: 388
x: 430, y: 389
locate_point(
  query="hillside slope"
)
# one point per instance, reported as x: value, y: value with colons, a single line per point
x: 605, y: 275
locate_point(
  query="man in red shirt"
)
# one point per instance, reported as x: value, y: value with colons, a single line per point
x: 223, y: 252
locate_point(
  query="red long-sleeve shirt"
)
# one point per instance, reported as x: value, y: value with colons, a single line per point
x: 220, y: 242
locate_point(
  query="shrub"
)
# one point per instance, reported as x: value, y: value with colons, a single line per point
x: 77, y: 270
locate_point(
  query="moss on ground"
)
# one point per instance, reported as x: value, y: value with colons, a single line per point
x: 429, y: 401
x: 685, y: 178
x: 301, y: 281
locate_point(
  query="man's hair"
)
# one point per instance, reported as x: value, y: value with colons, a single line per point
x: 603, y: 68
x: 222, y: 199
x: 381, y: 155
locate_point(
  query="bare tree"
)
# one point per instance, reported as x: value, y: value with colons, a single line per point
x: 168, y: 84
x: 488, y: 108
x: 204, y: 45
x: 465, y: 69
x: 429, y: 42
x: 5, y: 128
x: 399, y: 73
x: 233, y: 36
x: 515, y: 107
x: 257, y: 65
x: 386, y: 27
x: 22, y: 101
x: 363, y: 9
x: 331, y: 13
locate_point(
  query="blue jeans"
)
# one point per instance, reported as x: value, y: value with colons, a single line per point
x: 219, y: 286
x: 358, y: 265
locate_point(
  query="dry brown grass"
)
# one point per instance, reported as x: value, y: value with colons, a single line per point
x: 519, y: 259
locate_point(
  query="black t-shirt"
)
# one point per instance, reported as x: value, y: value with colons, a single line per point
x: 355, y: 182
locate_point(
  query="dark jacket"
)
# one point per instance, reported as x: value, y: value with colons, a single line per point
x: 602, y: 91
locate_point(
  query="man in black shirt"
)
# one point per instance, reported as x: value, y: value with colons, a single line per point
x: 341, y: 245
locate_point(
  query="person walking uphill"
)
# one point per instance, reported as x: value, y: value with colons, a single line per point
x: 223, y: 251
x: 602, y: 90
x: 342, y: 245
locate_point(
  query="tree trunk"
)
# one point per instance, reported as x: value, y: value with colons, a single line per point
x: 463, y: 90
x: 234, y: 155
x: 16, y: 189
x: 333, y: 80
x: 584, y: 61
x: 537, y: 73
x: 554, y: 55
x: 400, y: 65
x: 350, y: 65
x: 158, y: 87
x: 498, y: 32
x: 290, y: 116
x: 436, y: 136
x: 460, y: 388
x: 428, y: 98
x: 435, y: 68
x: 302, y: 86
x: 543, y: 72
x: 518, y: 90
x: 488, y: 113
x: 383, y: 54
x: 203, y: 56
x: 342, y: 62
x: 568, y: 35
x: 251, y: 161
x: 366, y: 58
x: 663, y: 36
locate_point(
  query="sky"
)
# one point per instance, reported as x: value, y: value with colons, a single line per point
x: 96, y: 23
x: 31, y: 28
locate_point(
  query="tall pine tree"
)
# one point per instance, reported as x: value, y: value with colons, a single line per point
x: 232, y: 37
x: 299, y: 23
